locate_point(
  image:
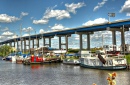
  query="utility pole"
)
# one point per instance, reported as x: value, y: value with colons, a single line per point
x: 21, y: 38
x: 29, y: 41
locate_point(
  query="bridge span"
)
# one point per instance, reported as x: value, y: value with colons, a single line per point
x: 120, y: 25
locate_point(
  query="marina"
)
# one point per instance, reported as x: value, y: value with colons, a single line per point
x: 69, y: 42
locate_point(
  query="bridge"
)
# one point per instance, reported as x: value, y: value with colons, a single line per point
x: 120, y: 25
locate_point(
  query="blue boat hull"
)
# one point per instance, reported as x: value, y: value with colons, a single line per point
x: 105, y: 67
x: 8, y: 59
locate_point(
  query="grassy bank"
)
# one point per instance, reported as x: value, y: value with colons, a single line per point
x: 128, y: 58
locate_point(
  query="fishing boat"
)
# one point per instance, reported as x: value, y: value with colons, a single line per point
x: 102, y: 61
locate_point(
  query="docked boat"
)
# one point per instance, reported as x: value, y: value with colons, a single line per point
x: 71, y: 61
x: 102, y: 61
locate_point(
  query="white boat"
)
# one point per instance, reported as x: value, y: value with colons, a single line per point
x: 71, y: 61
x: 102, y: 61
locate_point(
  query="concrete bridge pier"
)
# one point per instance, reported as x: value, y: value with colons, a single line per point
x: 37, y: 43
x: 33, y: 43
x: 21, y: 43
x: 59, y: 42
x: 44, y: 41
x: 14, y: 44
x: 66, y: 41
x: 114, y: 37
x: 122, y: 30
x: 113, y: 30
x: 47, y: 44
x: 24, y: 45
x: 81, y: 41
x: 88, y: 41
x: 17, y: 45
x: 10, y: 44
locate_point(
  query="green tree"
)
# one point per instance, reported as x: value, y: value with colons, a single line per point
x: 5, y: 50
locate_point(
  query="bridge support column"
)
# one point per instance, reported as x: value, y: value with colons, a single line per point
x: 14, y: 44
x: 24, y: 45
x: 10, y: 44
x: 59, y: 42
x: 122, y: 30
x: 33, y: 43
x: 80, y: 42
x: 88, y: 41
x: 122, y: 37
x: 49, y: 44
x: 114, y: 37
x: 17, y: 45
x: 21, y: 41
x: 29, y: 45
x: 44, y: 41
x: 66, y: 40
x: 37, y: 43
x: 49, y: 41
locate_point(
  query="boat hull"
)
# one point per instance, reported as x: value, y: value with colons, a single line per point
x: 71, y: 62
x: 105, y: 67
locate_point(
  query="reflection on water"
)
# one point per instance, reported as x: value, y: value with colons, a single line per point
x: 56, y: 74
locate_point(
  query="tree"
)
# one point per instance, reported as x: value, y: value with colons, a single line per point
x: 5, y: 50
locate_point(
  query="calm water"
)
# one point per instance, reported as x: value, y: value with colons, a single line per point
x: 56, y: 74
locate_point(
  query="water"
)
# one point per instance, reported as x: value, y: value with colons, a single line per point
x: 56, y: 74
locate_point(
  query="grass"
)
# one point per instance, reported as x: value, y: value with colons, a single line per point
x: 128, y: 58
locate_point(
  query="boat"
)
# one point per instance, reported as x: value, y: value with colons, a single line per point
x: 102, y: 61
x: 9, y: 57
x: 71, y: 61
x: 21, y: 57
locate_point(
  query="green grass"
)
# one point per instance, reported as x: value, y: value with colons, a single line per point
x: 128, y: 58
x: 72, y: 58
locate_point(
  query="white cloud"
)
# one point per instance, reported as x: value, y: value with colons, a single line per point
x: 26, y: 35
x: 58, y: 14
x: 27, y: 29
x: 128, y: 14
x: 57, y: 27
x: 126, y: 8
x: 4, y: 18
x: 24, y: 14
x: 4, y: 29
x: 42, y: 21
x: 2, y: 37
x: 41, y: 31
x: 96, y: 21
x: 99, y: 5
x: 72, y: 7
x: 7, y: 33
x: 14, y: 36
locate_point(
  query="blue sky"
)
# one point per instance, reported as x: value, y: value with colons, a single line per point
x: 51, y: 15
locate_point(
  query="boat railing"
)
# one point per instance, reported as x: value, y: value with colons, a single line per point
x: 115, y: 61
